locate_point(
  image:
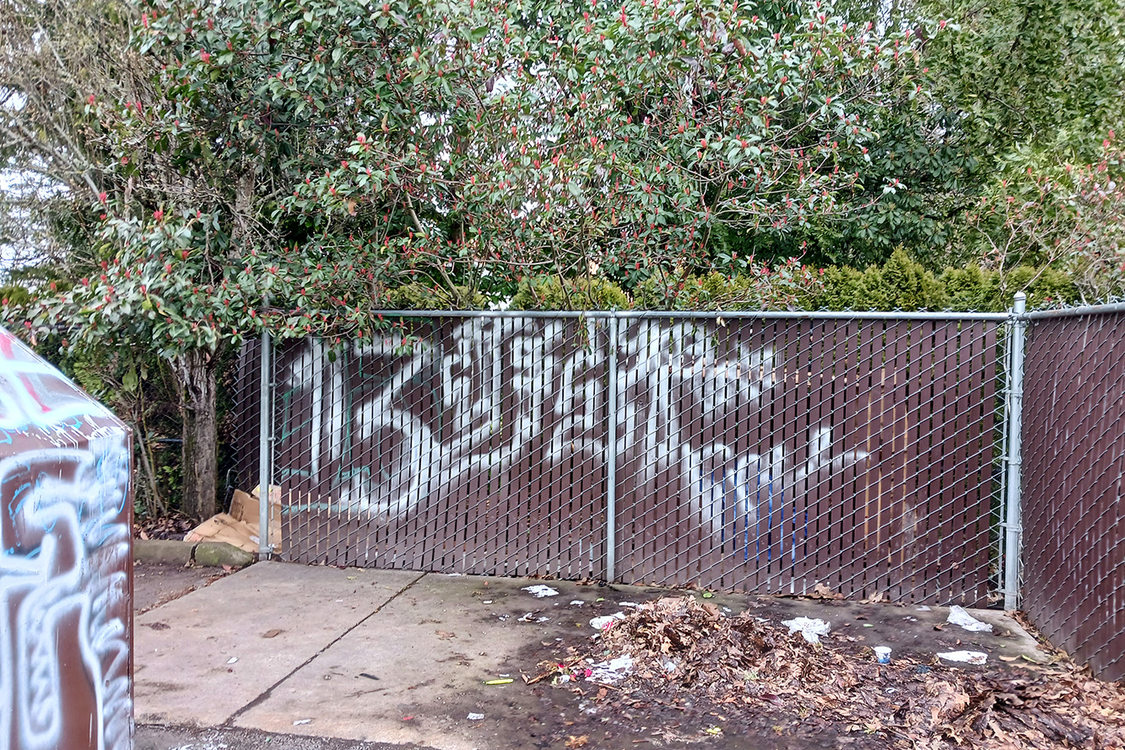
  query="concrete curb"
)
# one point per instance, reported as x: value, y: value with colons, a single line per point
x: 208, y: 554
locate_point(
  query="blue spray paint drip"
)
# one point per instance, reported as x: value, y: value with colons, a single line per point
x: 15, y: 508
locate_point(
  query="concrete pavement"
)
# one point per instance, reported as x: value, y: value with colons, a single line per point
x: 403, y: 657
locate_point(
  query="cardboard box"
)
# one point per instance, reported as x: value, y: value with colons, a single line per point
x: 240, y: 527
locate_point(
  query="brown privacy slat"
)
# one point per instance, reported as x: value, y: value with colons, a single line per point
x: 706, y: 492
x: 856, y: 418
x: 589, y: 544
x: 534, y: 470
x: 782, y: 566
x: 789, y: 440
x: 929, y: 500
x: 554, y: 483
x: 954, y: 460
x: 821, y: 379
x: 587, y: 523
x: 422, y: 553
x: 727, y: 546
x: 880, y: 508
x: 760, y: 533
x: 475, y: 521
x: 509, y: 492
x: 572, y: 464
x: 627, y: 464
x: 1105, y: 532
x: 896, y: 426
x: 869, y: 534
x: 1083, y: 513
x: 979, y: 503
x: 798, y: 452
x: 944, y: 539
x: 1081, y: 484
x: 715, y: 533
x: 674, y: 539
x: 735, y: 380
x: 467, y: 514
x: 966, y: 577
x: 844, y: 356
x: 760, y: 536
x: 542, y: 514
x: 801, y: 561
x: 906, y: 548
x: 670, y: 558
x: 960, y: 572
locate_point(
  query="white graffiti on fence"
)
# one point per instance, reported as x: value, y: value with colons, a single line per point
x: 500, y: 388
x: 64, y: 562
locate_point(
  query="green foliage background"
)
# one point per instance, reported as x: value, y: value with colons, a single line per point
x: 214, y: 169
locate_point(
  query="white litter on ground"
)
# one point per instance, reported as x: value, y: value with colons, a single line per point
x: 958, y: 616
x: 302, y: 722
x: 966, y: 657
x: 611, y: 671
x: 628, y: 604
x: 577, y: 603
x: 600, y: 623
x: 475, y: 717
x: 539, y: 591
x: 810, y: 628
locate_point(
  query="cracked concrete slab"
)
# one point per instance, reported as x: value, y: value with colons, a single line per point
x: 201, y: 658
x: 415, y: 673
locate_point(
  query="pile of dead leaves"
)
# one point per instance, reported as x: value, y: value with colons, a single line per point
x: 172, y: 526
x: 688, y: 653
x: 686, y: 644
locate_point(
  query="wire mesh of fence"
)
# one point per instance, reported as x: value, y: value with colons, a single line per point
x: 1073, y: 472
x: 769, y: 454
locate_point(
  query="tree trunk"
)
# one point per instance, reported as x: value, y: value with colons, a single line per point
x: 195, y: 380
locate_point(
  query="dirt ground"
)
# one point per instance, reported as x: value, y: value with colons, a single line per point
x: 158, y: 583
x: 696, y: 674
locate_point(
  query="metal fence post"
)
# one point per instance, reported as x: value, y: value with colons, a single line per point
x: 611, y: 456
x: 265, y: 449
x: 1013, y: 529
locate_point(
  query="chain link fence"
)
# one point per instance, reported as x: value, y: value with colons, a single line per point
x: 769, y: 453
x: 1073, y: 479
x: 868, y: 454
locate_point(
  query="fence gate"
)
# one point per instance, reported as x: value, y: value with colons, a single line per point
x: 766, y: 452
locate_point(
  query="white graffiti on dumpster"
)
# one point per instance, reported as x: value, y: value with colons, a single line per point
x: 64, y: 562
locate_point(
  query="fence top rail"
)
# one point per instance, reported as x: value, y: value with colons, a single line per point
x: 1074, y: 312
x: 701, y: 315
